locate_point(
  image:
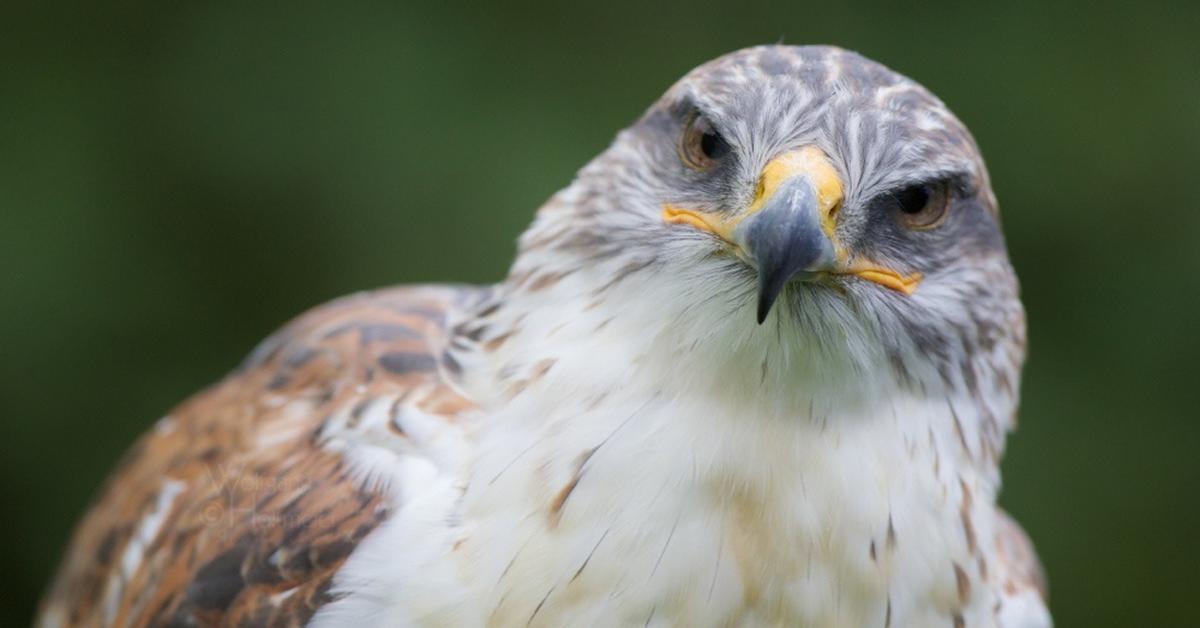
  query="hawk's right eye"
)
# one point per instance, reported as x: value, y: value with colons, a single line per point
x: 701, y: 146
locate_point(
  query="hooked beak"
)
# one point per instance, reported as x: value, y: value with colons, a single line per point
x: 785, y: 240
x: 789, y: 230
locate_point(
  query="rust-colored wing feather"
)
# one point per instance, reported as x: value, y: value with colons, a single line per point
x: 231, y: 512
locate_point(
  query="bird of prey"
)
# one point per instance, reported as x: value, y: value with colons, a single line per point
x: 754, y: 366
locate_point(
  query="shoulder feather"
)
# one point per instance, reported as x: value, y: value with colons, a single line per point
x: 233, y: 510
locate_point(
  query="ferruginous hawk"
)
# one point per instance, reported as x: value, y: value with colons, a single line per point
x: 755, y: 366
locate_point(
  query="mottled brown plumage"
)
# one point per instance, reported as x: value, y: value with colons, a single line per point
x: 263, y: 515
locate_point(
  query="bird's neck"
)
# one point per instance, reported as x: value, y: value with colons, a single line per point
x: 605, y: 418
x: 616, y: 327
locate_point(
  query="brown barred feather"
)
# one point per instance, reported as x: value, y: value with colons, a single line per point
x: 230, y: 512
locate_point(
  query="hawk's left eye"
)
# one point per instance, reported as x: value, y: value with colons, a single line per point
x: 922, y: 206
x: 701, y: 145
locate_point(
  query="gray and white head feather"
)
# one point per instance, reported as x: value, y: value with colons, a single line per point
x: 962, y: 330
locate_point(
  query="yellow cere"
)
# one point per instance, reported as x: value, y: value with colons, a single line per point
x: 809, y: 162
x: 812, y: 163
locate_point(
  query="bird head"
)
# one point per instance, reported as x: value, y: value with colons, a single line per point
x: 806, y: 196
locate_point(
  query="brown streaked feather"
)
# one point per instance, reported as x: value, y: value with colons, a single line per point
x: 230, y: 512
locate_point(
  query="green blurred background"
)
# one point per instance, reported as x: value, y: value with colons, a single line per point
x: 177, y: 181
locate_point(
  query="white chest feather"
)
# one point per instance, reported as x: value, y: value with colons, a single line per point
x: 678, y: 511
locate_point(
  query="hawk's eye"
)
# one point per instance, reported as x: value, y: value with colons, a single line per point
x: 701, y: 145
x: 922, y: 206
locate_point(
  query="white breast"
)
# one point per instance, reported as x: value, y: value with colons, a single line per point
x: 680, y: 511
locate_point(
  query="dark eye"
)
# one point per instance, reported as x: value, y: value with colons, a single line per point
x: 922, y: 206
x: 701, y: 146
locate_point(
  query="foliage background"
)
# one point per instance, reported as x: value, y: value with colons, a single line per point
x: 176, y: 181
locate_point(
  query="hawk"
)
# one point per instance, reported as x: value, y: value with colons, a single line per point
x: 754, y: 366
